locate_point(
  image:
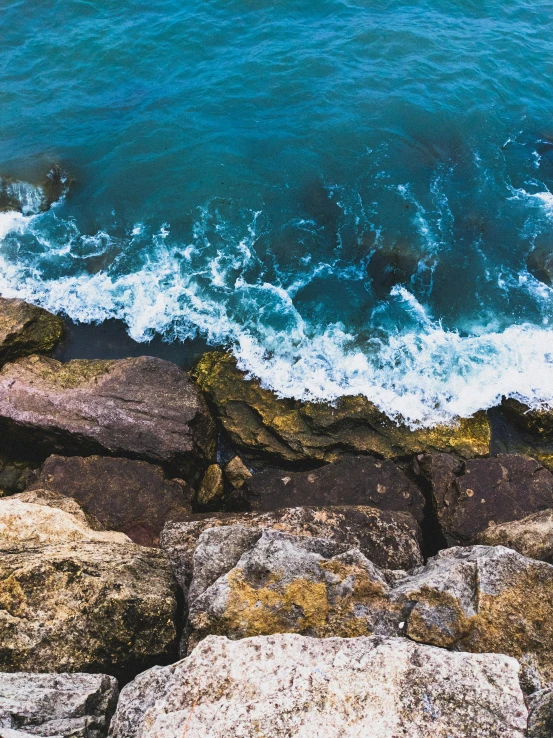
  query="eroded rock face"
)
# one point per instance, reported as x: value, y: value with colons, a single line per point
x: 472, y: 495
x: 130, y: 496
x: 143, y: 408
x: 26, y: 329
x: 359, y: 480
x: 287, y: 432
x: 288, y: 685
x: 532, y: 536
x: 479, y: 599
x: 76, y: 705
x: 389, y: 539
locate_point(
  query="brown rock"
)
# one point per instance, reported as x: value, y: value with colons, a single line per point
x: 389, y: 539
x: 26, y: 329
x: 212, y: 487
x: 15, y: 475
x: 236, y: 472
x: 142, y: 408
x: 287, y: 432
x: 469, y: 496
x: 130, y: 496
x: 535, y: 431
x: 532, y: 536
x: 360, y: 480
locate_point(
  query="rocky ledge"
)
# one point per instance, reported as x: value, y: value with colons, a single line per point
x: 320, y: 569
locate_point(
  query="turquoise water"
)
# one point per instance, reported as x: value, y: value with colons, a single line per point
x: 345, y: 192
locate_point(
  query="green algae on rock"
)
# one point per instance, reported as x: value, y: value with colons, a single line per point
x: 294, y: 433
x: 26, y: 329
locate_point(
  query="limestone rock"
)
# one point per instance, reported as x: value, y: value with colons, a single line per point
x: 540, y: 719
x: 358, y: 480
x: 143, y: 408
x: 26, y: 329
x: 289, y: 686
x: 284, y: 431
x: 479, y: 599
x: 532, y: 536
x: 212, y: 487
x: 68, y: 705
x: 236, y: 472
x: 126, y: 495
x: 389, y: 539
x: 469, y: 496
x: 32, y: 523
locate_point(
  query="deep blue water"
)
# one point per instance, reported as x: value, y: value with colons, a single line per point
x: 345, y: 192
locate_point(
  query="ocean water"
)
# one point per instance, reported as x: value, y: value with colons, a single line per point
x: 347, y: 193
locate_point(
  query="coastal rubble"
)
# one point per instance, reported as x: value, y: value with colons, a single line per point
x: 266, y: 428
x: 55, y: 705
x: 142, y: 408
x: 27, y: 329
x: 289, y: 685
x: 134, y: 497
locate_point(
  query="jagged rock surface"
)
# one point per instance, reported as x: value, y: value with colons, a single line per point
x: 125, y: 495
x: 479, y: 599
x: 26, y: 329
x: 287, y: 685
x: 359, y: 480
x: 285, y: 431
x: 142, y: 408
x: 66, y: 705
x: 469, y: 496
x: 540, y: 719
x: 389, y: 539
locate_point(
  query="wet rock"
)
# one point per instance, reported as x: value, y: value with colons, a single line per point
x: 236, y: 472
x: 212, y: 487
x: 540, y: 719
x: 26, y: 329
x: 15, y: 475
x: 472, y: 495
x: 67, y: 705
x: 535, y: 431
x: 360, y: 480
x: 479, y: 599
x: 540, y: 263
x: 29, y: 199
x: 76, y: 599
x: 130, y: 496
x: 142, y: 408
x: 532, y: 536
x: 389, y: 539
x: 288, y: 685
x: 300, y: 434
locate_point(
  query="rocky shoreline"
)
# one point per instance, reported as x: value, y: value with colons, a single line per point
x: 241, y: 564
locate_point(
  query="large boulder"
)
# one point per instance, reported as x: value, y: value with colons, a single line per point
x: 302, y: 434
x: 288, y: 686
x: 389, y: 539
x: 469, y: 496
x: 76, y: 599
x: 480, y: 599
x: 532, y: 536
x: 66, y: 705
x: 26, y: 329
x: 359, y: 480
x: 141, y: 408
x: 126, y: 495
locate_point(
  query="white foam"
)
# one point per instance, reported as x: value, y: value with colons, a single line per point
x: 424, y: 376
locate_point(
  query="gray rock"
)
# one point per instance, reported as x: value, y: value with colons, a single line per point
x: 532, y: 536
x: 67, y: 705
x: 540, y: 719
x: 288, y: 685
x: 142, y: 408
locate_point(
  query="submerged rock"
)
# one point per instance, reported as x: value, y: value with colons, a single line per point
x: 360, y: 480
x: 288, y: 685
x: 29, y: 199
x: 285, y: 431
x: 532, y: 536
x: 143, y: 408
x: 76, y: 599
x: 479, y: 599
x: 472, y: 495
x: 26, y: 329
x: 67, y: 705
x: 130, y: 496
x: 389, y: 539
